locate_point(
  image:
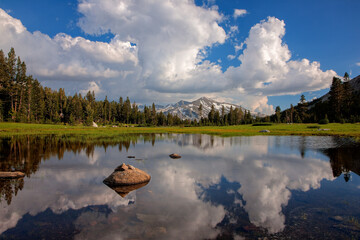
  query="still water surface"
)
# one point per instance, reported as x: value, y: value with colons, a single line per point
x: 226, y: 188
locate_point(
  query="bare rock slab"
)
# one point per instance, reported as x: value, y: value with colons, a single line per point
x: 125, y: 175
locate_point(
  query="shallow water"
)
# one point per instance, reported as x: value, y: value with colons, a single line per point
x: 225, y: 188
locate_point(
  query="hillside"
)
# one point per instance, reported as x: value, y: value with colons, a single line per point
x: 354, y: 83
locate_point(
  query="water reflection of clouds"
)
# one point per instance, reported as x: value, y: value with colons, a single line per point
x: 170, y: 210
x: 266, y: 178
x: 170, y: 206
x: 67, y: 184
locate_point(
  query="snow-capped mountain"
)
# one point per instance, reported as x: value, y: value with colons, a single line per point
x: 190, y: 110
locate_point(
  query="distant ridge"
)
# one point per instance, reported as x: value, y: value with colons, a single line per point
x: 190, y: 110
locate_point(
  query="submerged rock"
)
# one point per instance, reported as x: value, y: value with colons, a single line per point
x: 174, y: 155
x: 125, y: 175
x: 10, y: 175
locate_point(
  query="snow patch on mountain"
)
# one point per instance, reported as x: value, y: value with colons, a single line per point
x: 190, y: 110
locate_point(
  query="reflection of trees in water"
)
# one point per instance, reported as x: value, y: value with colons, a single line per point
x: 343, y: 160
x: 10, y: 187
x: 203, y: 141
x: 25, y: 153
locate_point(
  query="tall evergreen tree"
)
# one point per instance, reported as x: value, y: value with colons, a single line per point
x: 278, y: 114
x: 336, y: 99
x: 211, y: 114
x: 348, y: 99
x: 153, y: 115
x: 302, y: 109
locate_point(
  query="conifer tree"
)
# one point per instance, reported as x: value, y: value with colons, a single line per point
x: 153, y: 115
x: 336, y: 98
x: 278, y: 114
x: 348, y: 99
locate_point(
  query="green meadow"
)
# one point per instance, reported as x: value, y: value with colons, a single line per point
x: 332, y: 129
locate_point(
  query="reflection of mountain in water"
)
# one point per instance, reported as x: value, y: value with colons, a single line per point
x: 25, y: 153
x: 344, y: 160
x: 203, y: 141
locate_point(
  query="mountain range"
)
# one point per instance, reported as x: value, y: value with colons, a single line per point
x: 190, y: 110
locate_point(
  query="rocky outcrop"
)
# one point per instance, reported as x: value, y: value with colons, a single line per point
x: 125, y: 175
x: 11, y: 175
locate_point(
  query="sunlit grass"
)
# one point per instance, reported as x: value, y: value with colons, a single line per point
x: 333, y: 129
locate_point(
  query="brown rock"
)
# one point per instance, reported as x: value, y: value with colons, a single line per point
x: 174, y: 155
x: 10, y: 175
x: 124, y: 190
x: 125, y: 175
x: 122, y: 167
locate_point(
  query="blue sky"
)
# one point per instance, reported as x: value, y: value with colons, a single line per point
x: 165, y: 51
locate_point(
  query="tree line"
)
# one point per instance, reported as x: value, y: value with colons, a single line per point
x: 341, y: 105
x: 24, y: 99
x: 235, y: 116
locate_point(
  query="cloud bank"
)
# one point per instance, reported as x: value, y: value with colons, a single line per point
x: 159, y: 49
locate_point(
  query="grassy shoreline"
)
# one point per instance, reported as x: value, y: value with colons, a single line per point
x: 333, y: 129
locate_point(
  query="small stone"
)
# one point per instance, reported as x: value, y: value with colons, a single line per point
x: 264, y: 131
x: 174, y: 155
x: 130, y: 156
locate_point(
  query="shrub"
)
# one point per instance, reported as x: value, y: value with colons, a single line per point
x: 324, y: 121
x: 314, y: 126
x: 262, y: 124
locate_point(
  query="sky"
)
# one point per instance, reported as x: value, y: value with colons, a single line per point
x: 259, y: 54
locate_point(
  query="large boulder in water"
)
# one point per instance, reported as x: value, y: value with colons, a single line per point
x: 125, y: 175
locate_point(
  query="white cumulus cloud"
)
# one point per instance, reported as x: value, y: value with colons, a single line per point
x: 171, y: 36
x: 239, y: 13
x: 158, y: 53
x: 64, y: 57
x: 266, y: 66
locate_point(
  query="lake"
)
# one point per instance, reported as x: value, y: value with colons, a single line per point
x: 260, y: 187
